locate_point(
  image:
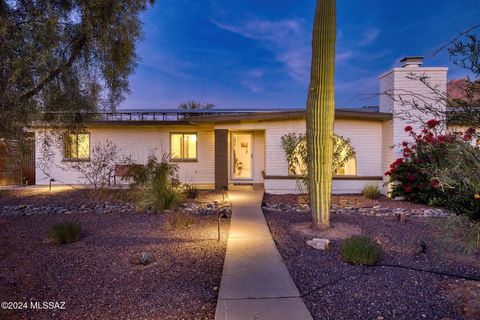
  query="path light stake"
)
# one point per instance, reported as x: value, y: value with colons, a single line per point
x: 218, y: 226
x: 50, y: 186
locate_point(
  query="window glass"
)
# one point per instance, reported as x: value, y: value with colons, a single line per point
x: 176, y: 146
x: 348, y: 169
x: 183, y: 146
x: 77, y: 146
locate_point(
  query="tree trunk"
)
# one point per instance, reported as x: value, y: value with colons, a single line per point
x: 321, y: 111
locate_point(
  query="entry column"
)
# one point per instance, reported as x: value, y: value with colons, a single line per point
x: 221, y: 158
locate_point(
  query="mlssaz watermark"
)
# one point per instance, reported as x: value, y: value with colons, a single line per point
x: 33, y: 305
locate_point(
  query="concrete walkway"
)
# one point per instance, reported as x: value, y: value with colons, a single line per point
x: 255, y: 282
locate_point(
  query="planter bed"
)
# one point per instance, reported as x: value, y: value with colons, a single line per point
x: 95, y: 276
x: 333, y: 289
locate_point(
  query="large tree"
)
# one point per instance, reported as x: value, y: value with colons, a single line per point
x: 68, y: 57
x: 321, y: 111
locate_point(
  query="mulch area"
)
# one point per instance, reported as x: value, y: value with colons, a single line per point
x: 95, y: 277
x: 336, y: 290
x: 349, y: 200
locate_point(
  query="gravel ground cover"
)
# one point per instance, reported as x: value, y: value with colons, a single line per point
x: 333, y: 289
x: 95, y: 277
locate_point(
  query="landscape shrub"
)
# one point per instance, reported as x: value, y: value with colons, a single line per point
x: 180, y: 220
x: 460, y: 233
x: 156, y: 185
x: 191, y: 191
x: 439, y: 169
x: 63, y: 233
x: 144, y: 258
x: 360, y: 250
x: 371, y: 191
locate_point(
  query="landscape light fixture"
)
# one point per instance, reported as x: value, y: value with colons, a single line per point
x: 50, y: 186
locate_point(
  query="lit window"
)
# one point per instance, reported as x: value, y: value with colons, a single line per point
x: 77, y: 146
x: 183, y: 146
x: 348, y: 169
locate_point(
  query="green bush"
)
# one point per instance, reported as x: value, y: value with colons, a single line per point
x: 360, y: 250
x: 191, y: 191
x: 68, y: 232
x: 371, y: 191
x: 155, y: 186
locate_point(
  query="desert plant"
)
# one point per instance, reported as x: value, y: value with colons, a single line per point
x: 461, y: 233
x: 67, y: 232
x: 320, y: 112
x: 100, y: 168
x: 180, y: 220
x: 360, y: 250
x: 144, y: 258
x: 371, y: 191
x: 155, y: 185
x: 191, y: 191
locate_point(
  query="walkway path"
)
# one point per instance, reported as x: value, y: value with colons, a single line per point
x: 255, y: 281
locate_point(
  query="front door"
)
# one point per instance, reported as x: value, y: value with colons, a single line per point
x: 242, y: 155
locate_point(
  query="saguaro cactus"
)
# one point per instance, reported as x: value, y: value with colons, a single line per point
x: 321, y: 111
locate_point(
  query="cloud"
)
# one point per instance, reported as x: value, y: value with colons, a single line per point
x: 369, y: 37
x: 288, y: 40
x: 343, y: 56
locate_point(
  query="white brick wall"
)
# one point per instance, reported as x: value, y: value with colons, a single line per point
x: 137, y: 142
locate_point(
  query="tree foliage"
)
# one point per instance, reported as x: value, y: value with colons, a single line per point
x: 194, y: 105
x: 68, y: 57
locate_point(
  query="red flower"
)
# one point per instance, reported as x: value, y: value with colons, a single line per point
x: 408, y: 128
x: 471, y: 131
x: 387, y: 173
x: 398, y: 162
x: 432, y: 123
x: 410, y: 177
x: 467, y: 137
x: 434, y: 183
x: 407, y: 189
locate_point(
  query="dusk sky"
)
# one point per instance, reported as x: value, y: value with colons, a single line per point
x: 256, y: 54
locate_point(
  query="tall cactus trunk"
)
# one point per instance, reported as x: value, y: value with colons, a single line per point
x: 321, y: 112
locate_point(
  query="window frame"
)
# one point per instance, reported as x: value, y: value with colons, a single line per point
x: 77, y: 159
x: 181, y: 159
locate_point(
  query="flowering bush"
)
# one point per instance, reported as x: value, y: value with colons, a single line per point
x: 439, y: 168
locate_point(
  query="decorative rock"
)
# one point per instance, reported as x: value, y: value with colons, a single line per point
x: 319, y: 244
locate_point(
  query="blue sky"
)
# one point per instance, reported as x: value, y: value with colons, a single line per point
x: 256, y: 54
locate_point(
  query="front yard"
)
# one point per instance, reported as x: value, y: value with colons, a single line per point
x: 333, y: 289
x: 97, y: 277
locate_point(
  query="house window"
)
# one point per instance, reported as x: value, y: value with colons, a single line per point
x: 76, y: 146
x: 348, y: 169
x: 183, y: 146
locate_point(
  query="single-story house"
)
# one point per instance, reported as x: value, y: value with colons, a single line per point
x: 217, y: 148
